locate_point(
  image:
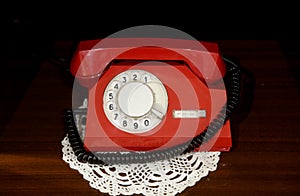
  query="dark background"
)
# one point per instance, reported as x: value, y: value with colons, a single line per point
x: 28, y: 29
x: 37, y: 39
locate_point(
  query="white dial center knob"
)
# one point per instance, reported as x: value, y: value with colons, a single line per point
x: 135, y: 99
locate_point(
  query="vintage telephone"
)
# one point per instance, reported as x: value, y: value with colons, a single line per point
x: 151, y: 99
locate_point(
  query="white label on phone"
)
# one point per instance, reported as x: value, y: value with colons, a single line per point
x: 189, y: 113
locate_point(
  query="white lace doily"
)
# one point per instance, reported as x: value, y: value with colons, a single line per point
x: 168, y: 177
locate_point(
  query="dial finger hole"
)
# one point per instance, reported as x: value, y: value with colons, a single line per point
x: 124, y: 78
x: 111, y: 106
x: 145, y: 78
x: 110, y: 95
x: 135, y: 76
x: 146, y: 122
x: 115, y: 85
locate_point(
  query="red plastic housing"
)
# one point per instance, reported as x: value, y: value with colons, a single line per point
x: 201, y: 71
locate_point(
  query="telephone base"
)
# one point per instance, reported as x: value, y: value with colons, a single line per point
x: 221, y: 142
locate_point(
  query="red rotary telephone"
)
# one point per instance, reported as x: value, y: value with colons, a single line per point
x: 144, y: 96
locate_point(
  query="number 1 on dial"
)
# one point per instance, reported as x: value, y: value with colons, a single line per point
x: 145, y: 78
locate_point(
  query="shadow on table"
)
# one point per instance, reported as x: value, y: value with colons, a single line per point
x: 291, y: 52
x: 16, y: 76
x: 247, y: 87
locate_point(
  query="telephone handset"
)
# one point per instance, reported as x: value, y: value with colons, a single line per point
x: 148, y: 98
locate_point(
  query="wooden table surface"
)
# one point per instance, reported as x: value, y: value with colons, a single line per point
x: 264, y: 160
